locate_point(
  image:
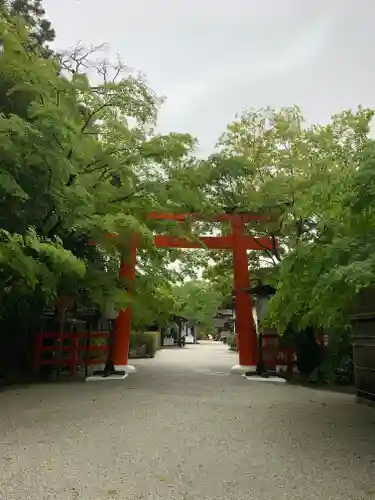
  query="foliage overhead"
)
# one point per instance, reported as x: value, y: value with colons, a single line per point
x: 198, y: 300
x: 79, y: 161
x: 306, y: 181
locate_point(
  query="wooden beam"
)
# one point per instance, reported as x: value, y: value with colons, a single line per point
x: 212, y: 242
x: 245, y: 217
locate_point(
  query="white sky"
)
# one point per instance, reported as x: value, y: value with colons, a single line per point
x: 214, y: 58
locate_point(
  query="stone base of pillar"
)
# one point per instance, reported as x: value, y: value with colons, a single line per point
x: 99, y: 378
x: 126, y: 368
x: 242, y: 369
x: 258, y: 378
x: 122, y: 372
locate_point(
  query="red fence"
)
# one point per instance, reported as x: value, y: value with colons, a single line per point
x: 275, y: 357
x: 70, y: 350
x: 286, y: 360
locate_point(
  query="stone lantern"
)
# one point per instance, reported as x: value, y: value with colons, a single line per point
x: 261, y: 295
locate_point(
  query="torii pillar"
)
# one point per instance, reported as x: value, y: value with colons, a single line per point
x: 121, y: 338
x: 246, y: 336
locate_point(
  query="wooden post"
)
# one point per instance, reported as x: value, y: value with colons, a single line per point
x: 74, y: 348
x: 121, y: 338
x: 245, y: 328
x: 38, y: 351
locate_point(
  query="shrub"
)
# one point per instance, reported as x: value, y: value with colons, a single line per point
x: 149, y: 340
x: 152, y: 342
x: 232, y: 343
x: 200, y: 335
x: 344, y: 372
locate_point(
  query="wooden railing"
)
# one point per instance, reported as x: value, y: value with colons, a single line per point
x: 70, y: 350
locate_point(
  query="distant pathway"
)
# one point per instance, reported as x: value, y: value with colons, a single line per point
x: 182, y: 428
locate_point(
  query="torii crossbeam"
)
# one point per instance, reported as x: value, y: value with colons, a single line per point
x: 238, y: 242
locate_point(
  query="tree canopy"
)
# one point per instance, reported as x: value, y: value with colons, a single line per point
x: 79, y: 160
x: 198, y: 300
x: 306, y: 181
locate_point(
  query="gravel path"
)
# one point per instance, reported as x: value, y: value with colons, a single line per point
x: 182, y: 428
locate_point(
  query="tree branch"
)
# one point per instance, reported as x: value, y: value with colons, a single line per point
x: 93, y: 113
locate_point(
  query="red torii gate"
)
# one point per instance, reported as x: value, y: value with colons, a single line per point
x: 239, y: 243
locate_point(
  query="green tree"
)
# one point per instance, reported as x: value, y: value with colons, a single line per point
x: 198, y: 300
x: 79, y: 161
x: 300, y: 179
x: 320, y: 281
x: 40, y: 32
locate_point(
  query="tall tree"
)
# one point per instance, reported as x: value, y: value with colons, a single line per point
x: 32, y: 12
x: 320, y: 282
x: 79, y: 161
x: 295, y: 176
x: 198, y: 300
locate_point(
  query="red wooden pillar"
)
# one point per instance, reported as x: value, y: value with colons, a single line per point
x: 121, y: 340
x: 38, y: 351
x: 247, y: 342
x: 74, y: 354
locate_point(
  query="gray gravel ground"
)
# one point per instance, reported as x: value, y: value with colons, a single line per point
x: 181, y: 428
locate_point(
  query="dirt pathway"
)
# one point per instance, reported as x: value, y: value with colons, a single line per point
x: 183, y: 428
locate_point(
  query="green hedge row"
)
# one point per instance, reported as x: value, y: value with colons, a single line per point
x: 150, y: 341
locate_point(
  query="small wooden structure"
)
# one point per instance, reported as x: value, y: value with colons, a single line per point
x: 189, y: 331
x: 363, y: 336
x: 274, y: 356
x: 224, y: 321
x: 179, y: 332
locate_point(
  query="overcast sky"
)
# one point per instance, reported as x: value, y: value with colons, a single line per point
x: 215, y: 58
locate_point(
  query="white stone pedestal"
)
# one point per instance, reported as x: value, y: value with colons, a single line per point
x: 241, y: 369
x: 258, y: 378
x: 121, y: 368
